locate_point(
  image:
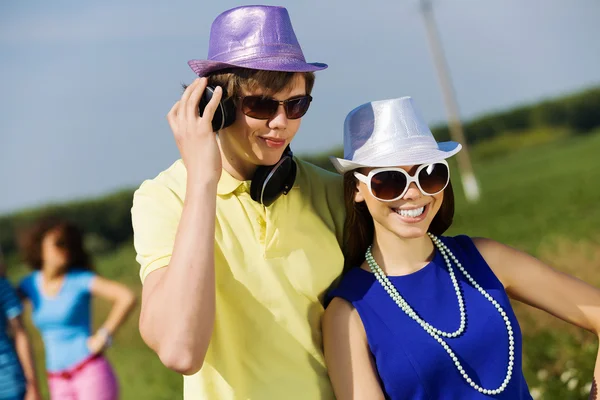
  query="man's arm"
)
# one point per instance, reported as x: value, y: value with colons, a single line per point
x: 178, y: 302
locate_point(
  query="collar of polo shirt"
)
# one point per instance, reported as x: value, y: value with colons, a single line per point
x: 228, y: 184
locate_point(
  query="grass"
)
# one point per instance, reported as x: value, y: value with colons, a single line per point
x: 509, y: 142
x: 542, y: 199
x: 535, y: 194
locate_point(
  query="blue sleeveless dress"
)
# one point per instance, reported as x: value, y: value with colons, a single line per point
x: 410, y: 363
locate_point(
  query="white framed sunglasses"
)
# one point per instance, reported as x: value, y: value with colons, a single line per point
x: 390, y: 184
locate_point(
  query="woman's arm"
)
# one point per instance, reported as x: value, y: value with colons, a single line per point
x: 123, y: 301
x: 349, y: 361
x: 532, y: 282
x: 25, y: 354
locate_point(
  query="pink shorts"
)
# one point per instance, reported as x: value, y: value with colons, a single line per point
x: 93, y: 379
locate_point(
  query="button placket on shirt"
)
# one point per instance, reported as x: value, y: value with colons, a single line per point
x: 256, y: 211
x: 280, y: 218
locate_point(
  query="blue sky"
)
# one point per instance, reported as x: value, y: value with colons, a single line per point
x: 86, y: 85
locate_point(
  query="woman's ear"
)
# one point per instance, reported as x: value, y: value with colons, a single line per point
x: 358, y: 196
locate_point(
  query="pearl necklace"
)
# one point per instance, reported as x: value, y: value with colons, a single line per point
x: 436, y: 333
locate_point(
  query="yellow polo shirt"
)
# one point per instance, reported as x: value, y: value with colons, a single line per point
x: 273, y: 267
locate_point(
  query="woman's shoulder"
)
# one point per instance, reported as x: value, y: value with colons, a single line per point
x: 338, y: 313
x: 489, y: 249
x: 485, y: 257
x: 353, y: 285
x: 80, y: 274
x: 465, y: 243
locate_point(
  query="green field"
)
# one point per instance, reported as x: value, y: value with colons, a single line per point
x: 543, y: 199
x: 535, y: 194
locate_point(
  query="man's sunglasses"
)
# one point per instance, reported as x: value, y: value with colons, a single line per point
x: 260, y: 107
x: 391, y: 184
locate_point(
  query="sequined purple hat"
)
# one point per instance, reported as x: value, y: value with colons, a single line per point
x: 254, y: 37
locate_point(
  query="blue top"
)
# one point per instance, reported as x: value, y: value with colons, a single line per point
x: 410, y: 363
x: 64, y: 320
x: 12, y: 380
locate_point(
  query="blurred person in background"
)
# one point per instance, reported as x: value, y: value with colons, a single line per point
x: 418, y: 315
x: 60, y: 291
x: 18, y: 379
x: 239, y: 240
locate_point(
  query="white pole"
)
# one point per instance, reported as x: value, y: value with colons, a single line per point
x: 470, y: 185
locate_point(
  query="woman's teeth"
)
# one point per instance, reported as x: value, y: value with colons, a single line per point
x: 411, y: 213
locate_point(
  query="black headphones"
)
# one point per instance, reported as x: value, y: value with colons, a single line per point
x: 269, y: 181
x: 225, y: 112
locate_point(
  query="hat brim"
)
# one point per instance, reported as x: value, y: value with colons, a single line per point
x: 409, y: 157
x: 205, y: 67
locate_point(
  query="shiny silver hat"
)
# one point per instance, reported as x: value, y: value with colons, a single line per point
x: 389, y: 133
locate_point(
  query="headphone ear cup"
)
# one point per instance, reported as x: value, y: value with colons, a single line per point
x: 229, y: 111
x: 291, y: 178
x: 225, y: 112
x: 258, y: 181
x: 270, y: 182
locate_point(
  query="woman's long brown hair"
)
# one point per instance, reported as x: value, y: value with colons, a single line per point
x: 70, y: 238
x: 359, y: 228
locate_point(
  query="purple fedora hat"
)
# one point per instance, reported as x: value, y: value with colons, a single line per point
x: 254, y: 37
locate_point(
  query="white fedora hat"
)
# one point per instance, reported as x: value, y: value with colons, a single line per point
x: 389, y: 133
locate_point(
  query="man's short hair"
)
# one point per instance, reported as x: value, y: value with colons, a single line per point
x: 236, y: 81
